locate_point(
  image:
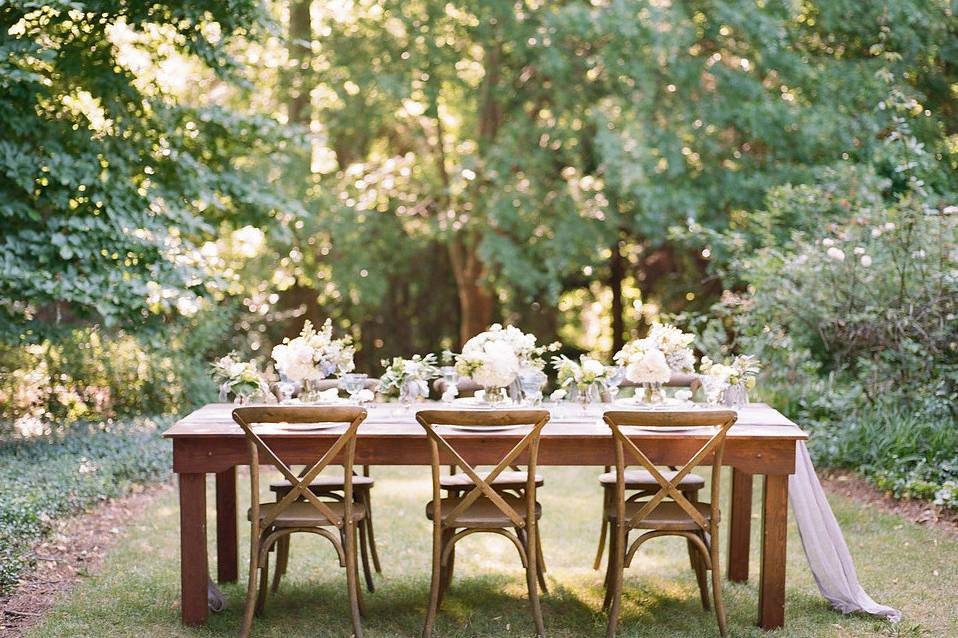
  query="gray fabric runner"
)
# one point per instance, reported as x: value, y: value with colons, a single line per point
x: 824, y: 545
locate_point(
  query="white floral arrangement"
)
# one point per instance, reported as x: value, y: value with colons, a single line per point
x: 523, y: 344
x: 644, y: 362
x: 241, y: 378
x: 675, y: 345
x: 492, y: 363
x: 314, y: 355
x: 418, y: 370
x: 581, y: 373
x: 742, y: 369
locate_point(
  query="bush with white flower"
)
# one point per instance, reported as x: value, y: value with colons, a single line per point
x: 313, y: 355
x: 237, y: 377
x: 399, y: 372
x: 644, y: 362
x: 675, y: 345
x: 582, y: 373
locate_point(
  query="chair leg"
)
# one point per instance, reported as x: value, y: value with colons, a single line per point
x: 263, y: 583
x: 352, y: 578
x: 251, y: 589
x: 717, y: 584
x: 698, y: 566
x: 282, y: 560
x: 366, y: 496
x: 602, y: 531
x: 618, y: 559
x: 609, y: 566
x: 532, y: 580
x: 540, y: 564
x: 446, y: 570
x: 364, y: 553
x: 436, y: 577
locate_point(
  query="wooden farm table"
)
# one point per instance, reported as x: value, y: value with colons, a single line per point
x: 209, y: 442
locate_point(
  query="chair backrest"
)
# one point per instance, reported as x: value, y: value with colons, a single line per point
x: 431, y: 419
x: 246, y: 418
x: 715, y: 445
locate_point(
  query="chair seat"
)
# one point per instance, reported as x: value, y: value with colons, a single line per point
x: 515, y: 480
x: 323, y: 484
x: 304, y: 514
x: 482, y: 514
x: 643, y: 480
x: 667, y: 515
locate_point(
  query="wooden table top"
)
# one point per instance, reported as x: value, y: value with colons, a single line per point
x: 757, y: 421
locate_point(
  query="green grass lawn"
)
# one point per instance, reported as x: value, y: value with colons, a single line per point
x: 136, y: 592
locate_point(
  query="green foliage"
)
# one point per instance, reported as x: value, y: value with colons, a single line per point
x: 108, y: 184
x: 46, y: 478
x: 89, y: 373
x: 852, y: 300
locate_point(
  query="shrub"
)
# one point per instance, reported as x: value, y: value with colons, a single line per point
x: 88, y: 373
x: 52, y: 476
x: 855, y: 317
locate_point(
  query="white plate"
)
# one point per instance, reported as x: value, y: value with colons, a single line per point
x: 475, y: 404
x: 670, y: 428
x: 306, y: 427
x: 485, y: 428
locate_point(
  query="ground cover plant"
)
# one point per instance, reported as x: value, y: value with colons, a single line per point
x: 50, y: 476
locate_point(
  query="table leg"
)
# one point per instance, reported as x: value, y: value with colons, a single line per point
x: 227, y: 539
x: 193, y: 559
x: 771, y: 595
x: 740, y: 526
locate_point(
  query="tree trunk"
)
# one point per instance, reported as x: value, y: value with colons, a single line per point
x: 476, y: 300
x: 300, y: 56
x: 616, y: 275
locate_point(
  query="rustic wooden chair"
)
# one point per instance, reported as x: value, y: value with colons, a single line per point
x: 331, y: 486
x: 300, y: 510
x: 697, y: 522
x: 642, y: 482
x: 483, y: 508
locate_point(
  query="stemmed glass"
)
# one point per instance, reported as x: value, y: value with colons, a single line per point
x: 451, y: 379
x: 531, y: 381
x: 354, y: 383
x: 615, y: 377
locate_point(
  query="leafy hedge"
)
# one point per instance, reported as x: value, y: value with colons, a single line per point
x: 46, y: 478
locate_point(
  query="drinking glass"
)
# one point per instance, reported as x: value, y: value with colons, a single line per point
x: 616, y: 375
x: 354, y: 383
x: 531, y: 381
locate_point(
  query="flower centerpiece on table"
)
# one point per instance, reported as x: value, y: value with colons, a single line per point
x: 645, y: 364
x: 730, y: 381
x: 494, y: 358
x: 674, y: 344
x: 408, y: 378
x: 237, y: 377
x: 313, y: 355
x: 586, y: 375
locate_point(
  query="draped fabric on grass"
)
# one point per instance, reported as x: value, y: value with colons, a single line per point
x: 824, y: 545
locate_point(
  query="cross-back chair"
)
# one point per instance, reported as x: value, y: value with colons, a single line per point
x: 642, y: 482
x: 483, y: 507
x: 300, y: 509
x: 667, y: 511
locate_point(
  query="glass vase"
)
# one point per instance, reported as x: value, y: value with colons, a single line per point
x: 652, y: 393
x: 735, y: 396
x: 588, y: 394
x: 411, y: 391
x: 494, y: 396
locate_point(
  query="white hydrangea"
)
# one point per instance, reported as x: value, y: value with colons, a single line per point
x: 650, y: 367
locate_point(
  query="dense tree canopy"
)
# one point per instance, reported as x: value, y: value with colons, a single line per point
x: 109, y: 183
x: 418, y: 169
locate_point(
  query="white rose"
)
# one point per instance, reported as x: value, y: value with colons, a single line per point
x: 651, y: 367
x: 592, y: 367
x: 836, y: 253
